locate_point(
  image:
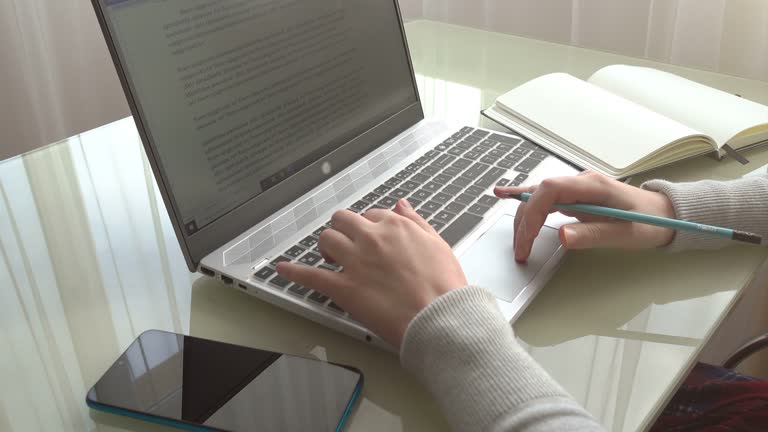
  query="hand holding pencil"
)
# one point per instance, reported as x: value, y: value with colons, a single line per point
x: 619, y: 215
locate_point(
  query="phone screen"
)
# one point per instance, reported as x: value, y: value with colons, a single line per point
x: 187, y: 381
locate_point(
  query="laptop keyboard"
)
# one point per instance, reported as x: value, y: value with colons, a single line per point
x: 449, y: 186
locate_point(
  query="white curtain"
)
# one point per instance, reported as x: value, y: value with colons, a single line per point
x: 56, y: 77
x: 729, y: 36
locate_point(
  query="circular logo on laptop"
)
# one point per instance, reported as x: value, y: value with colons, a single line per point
x: 326, y: 167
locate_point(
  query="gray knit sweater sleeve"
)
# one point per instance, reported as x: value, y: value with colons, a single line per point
x: 464, y: 352
x: 738, y: 204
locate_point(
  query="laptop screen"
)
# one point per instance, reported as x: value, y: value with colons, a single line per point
x: 238, y: 96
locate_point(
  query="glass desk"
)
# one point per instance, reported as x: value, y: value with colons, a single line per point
x: 89, y: 261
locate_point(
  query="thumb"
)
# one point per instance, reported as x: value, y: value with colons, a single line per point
x: 405, y: 209
x: 599, y: 235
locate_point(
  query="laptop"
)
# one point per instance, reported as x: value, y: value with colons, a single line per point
x: 261, y: 118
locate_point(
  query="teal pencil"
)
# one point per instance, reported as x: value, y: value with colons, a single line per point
x: 653, y: 220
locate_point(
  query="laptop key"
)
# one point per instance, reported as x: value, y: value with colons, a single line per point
x: 387, y: 202
x: 505, y: 164
x: 527, y: 165
x: 310, y: 259
x: 460, y: 228
x: 489, y: 159
x: 358, y: 206
x: 318, y: 297
x: 530, y: 146
x: 414, y: 202
x: 423, y: 213
x: 478, y: 209
x: 481, y: 149
x: 465, y: 199
x: 308, y: 242
x: 430, y: 170
x: 414, y: 167
x: 420, y: 178
x: 480, y: 133
x: 496, y: 153
x: 461, y: 182
x: 299, y: 290
x: 452, y: 172
x: 279, y: 282
x: 489, y: 143
x: 423, y: 160
x: 442, y: 147
x: 455, y: 207
x: 513, y: 158
x: 465, y: 145
x: 430, y: 207
x: 505, y: 139
x: 436, y: 225
x: 452, y: 189
x: 488, y: 200
x: 410, y: 185
x: 456, y: 151
x: 422, y: 194
x: 441, y: 198
x: 467, y: 129
x: 490, y: 177
x: 459, y: 135
x: 389, y: 184
x: 433, y: 186
x: 444, y: 217
x: 471, y: 155
x: 503, y: 182
x: 473, y: 139
x: 506, y: 148
x: 319, y: 231
x: 403, y: 175
x: 399, y: 193
x: 294, y: 252
x: 539, y: 155
x: 475, y: 191
x: 371, y: 197
x: 264, y: 273
x: 443, y: 161
x: 461, y: 163
x: 520, y: 151
x: 278, y: 260
x: 431, y: 154
x: 326, y: 267
x: 521, y: 178
x: 475, y: 171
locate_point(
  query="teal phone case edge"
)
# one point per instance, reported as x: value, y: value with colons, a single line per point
x: 193, y: 428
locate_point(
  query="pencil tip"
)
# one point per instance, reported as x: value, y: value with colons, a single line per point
x: 747, y: 237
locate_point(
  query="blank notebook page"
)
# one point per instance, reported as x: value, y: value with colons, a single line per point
x: 615, y: 131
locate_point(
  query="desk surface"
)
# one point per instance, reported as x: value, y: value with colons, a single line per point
x: 89, y: 261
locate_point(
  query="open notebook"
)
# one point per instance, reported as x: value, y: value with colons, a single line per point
x: 627, y: 119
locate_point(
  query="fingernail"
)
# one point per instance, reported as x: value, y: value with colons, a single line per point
x: 405, y: 203
x: 567, y: 235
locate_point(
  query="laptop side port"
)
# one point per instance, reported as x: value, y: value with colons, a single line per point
x: 207, y: 272
x: 227, y: 280
x: 243, y: 287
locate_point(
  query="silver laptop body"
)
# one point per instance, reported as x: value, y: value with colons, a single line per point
x: 262, y: 118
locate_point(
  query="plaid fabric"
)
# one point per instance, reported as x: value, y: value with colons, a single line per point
x: 713, y: 399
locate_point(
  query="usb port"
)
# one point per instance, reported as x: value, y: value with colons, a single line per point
x: 226, y: 280
x: 207, y: 272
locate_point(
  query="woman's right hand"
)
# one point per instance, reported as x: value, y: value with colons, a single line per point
x: 593, y: 231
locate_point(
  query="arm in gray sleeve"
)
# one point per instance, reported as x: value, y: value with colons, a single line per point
x: 738, y: 204
x: 463, y: 350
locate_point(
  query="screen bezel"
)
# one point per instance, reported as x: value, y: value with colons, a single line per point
x: 248, y: 214
x: 180, y: 423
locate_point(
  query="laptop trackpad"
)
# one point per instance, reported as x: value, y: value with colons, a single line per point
x: 490, y: 262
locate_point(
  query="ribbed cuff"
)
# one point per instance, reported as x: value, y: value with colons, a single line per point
x: 464, y: 352
x: 739, y: 204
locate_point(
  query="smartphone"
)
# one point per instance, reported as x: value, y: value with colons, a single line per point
x: 203, y: 385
